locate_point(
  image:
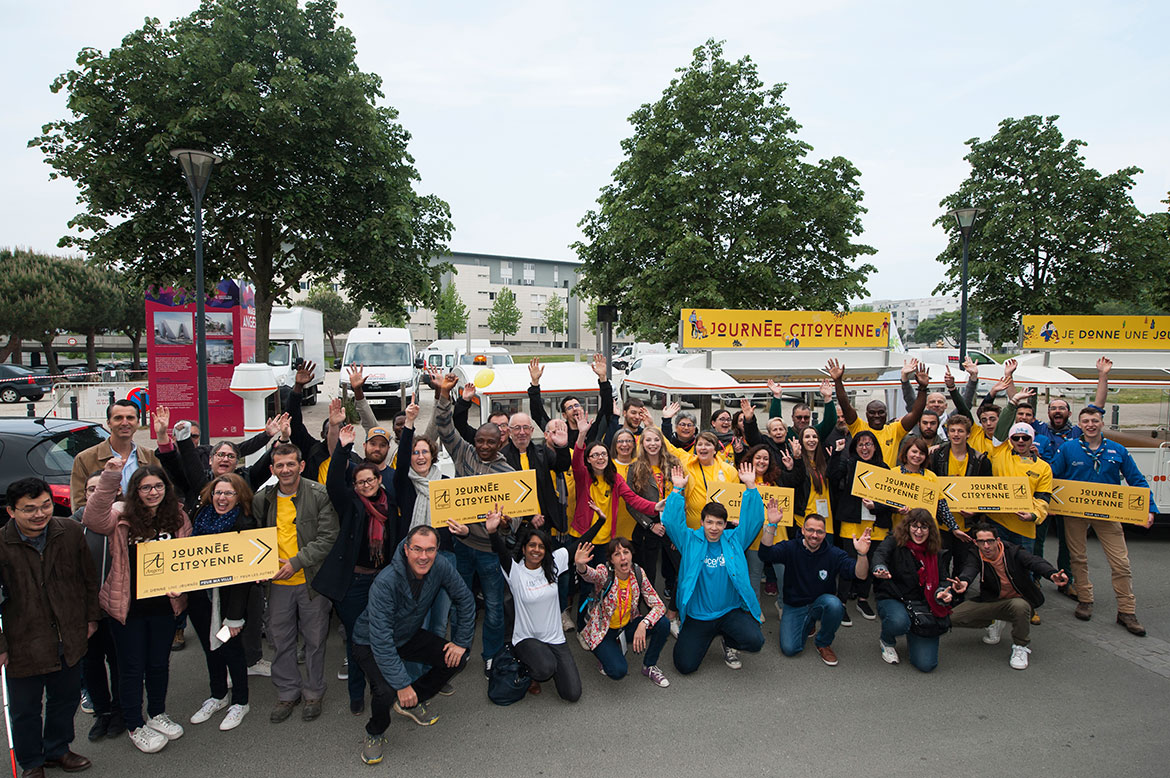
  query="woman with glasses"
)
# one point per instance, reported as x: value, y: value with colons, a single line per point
x: 370, y: 529
x: 143, y: 627
x: 225, y: 505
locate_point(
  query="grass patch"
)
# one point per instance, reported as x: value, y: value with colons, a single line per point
x: 1137, y: 394
x: 547, y: 358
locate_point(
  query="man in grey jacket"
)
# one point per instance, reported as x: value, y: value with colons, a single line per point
x: 389, y: 633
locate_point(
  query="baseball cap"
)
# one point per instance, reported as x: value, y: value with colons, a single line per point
x: 375, y: 431
x: 1021, y: 428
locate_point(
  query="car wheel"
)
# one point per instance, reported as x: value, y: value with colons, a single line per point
x: 9, y: 395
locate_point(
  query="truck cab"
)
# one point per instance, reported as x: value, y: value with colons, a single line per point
x: 386, y: 356
x: 296, y: 335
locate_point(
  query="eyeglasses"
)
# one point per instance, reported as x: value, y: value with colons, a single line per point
x: 147, y: 488
x: 809, y: 531
x: 598, y: 455
x: 521, y: 428
x: 921, y: 527
x: 224, y: 455
x: 802, y: 418
x: 986, y: 542
x: 32, y: 510
x: 431, y: 551
x: 222, y: 493
x: 366, y: 482
x: 1020, y: 437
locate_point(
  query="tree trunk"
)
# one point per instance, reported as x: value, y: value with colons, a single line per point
x: 332, y: 346
x: 136, y: 347
x: 263, y: 320
x: 50, y: 355
x: 13, y: 348
x: 91, y: 351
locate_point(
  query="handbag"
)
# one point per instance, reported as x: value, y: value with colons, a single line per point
x: 509, y: 678
x: 923, y: 622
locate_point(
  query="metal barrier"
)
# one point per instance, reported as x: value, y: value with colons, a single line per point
x: 88, y: 401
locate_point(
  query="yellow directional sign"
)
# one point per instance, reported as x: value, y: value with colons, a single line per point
x: 1089, y: 500
x: 895, y: 488
x: 1095, y: 333
x: 991, y: 494
x: 730, y: 496
x: 467, y: 500
x: 206, y: 561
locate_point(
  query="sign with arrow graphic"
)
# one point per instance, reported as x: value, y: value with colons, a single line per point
x: 895, y: 488
x: 990, y: 494
x: 1090, y: 500
x: 467, y: 500
x: 206, y: 561
x: 730, y: 496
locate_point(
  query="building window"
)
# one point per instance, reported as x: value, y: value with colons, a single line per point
x: 304, y: 286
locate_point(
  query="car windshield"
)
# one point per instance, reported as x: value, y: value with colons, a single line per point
x: 53, y: 455
x: 278, y: 354
x: 378, y: 354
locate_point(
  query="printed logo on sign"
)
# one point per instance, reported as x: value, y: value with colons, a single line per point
x: 1020, y: 491
x: 824, y: 574
x: 1137, y: 502
x: 443, y: 500
x: 153, y: 564
x: 928, y: 495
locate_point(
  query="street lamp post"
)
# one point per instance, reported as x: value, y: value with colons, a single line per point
x: 197, y: 167
x: 966, y: 219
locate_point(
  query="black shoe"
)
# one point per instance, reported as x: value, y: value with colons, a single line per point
x: 117, y: 726
x: 487, y: 669
x: 100, y: 728
x: 358, y: 706
x: 846, y: 620
x: 866, y: 609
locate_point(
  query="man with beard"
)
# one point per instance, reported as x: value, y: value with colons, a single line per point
x: 889, y: 436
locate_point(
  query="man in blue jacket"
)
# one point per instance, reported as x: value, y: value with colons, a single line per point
x: 715, y: 593
x: 1094, y: 459
x: 389, y: 634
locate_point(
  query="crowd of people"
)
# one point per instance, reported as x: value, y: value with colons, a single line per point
x: 627, y: 549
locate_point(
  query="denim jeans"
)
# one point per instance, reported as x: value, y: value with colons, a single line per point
x: 895, y: 622
x: 756, y: 571
x: 609, y: 650
x: 738, y: 628
x: 469, y: 561
x: 440, y: 613
x: 143, y: 646
x: 827, y: 609
x: 34, y: 739
x: 349, y: 608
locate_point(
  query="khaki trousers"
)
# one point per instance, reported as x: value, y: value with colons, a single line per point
x: 1016, y: 610
x: 1113, y: 544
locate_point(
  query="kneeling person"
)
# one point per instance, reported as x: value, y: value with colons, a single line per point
x: 811, y: 570
x: 1007, y: 592
x: 389, y: 633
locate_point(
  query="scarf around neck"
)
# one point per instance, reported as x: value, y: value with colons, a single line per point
x: 209, y: 522
x: 928, y: 577
x: 376, y: 510
x: 422, y: 490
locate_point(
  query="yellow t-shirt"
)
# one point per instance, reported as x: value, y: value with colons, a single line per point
x: 623, y: 607
x: 322, y: 473
x: 701, y: 477
x: 818, y: 502
x: 286, y: 537
x: 888, y: 438
x: 1005, y: 462
x: 599, y: 492
x: 979, y: 441
x: 625, y: 519
x: 956, y: 468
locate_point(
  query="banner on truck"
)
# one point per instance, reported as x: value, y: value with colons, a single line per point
x: 708, y: 328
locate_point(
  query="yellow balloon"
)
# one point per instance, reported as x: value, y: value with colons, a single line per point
x: 484, y: 378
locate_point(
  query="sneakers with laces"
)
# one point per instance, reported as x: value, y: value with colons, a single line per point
x: 234, y: 716
x: 86, y: 702
x: 675, y: 626
x: 262, y: 667
x: 993, y: 632
x: 865, y: 609
x: 372, y: 749
x: 889, y: 654
x: 654, y: 674
x: 567, y: 624
x: 343, y: 673
x: 730, y: 656
x: 209, y: 708
x: 418, y: 713
x: 147, y: 740
x: 1019, y: 660
x: 162, y: 723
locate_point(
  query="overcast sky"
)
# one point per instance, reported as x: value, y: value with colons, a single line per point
x: 517, y: 108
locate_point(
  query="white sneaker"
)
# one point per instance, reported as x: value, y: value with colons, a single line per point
x: 147, y: 740
x: 889, y: 654
x: 162, y: 723
x: 581, y: 641
x: 234, y: 716
x: 779, y: 608
x: 262, y: 667
x: 731, y: 657
x: 343, y: 673
x: 675, y: 626
x: 1019, y: 660
x: 993, y: 633
x: 210, y: 707
x: 567, y: 624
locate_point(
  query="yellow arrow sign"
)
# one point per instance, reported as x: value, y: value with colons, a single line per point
x: 467, y: 500
x: 895, y: 488
x: 206, y: 561
x: 990, y: 494
x: 1088, y: 500
x: 730, y: 496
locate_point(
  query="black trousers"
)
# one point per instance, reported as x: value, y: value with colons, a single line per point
x: 34, y: 739
x: 425, y: 648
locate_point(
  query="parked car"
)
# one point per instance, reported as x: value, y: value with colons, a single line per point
x: 18, y: 382
x: 44, y: 448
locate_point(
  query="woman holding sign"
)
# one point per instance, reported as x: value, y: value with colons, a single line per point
x: 224, y: 505
x: 856, y: 514
x: 912, y: 461
x: 143, y: 627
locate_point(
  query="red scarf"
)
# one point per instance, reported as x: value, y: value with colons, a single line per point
x: 928, y: 577
x: 376, y: 529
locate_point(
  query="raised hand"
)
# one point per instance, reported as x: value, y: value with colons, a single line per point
x: 786, y: 458
x: 162, y: 421
x: 336, y: 412
x: 272, y: 427
x: 114, y: 465
x: 583, y: 425
x: 861, y: 544
x: 745, y: 405
x: 538, y: 520
x: 826, y: 391
x: 597, y: 509
x: 923, y: 378
x: 1009, y: 367
x: 909, y: 368
x: 467, y: 391
x: 411, y: 412
x: 492, y: 520
x: 773, y: 513
x: 970, y: 368
x: 839, y: 445
x: 678, y: 477
x: 949, y: 379
x: 599, y: 365
x: 357, y: 379
x: 305, y: 374
x: 583, y: 555
x: 1024, y: 394
x: 747, y: 474
x: 285, y: 422
x: 671, y: 409
x: 557, y: 433
x: 446, y: 383
x: 1104, y: 365
x: 776, y: 389
x: 835, y: 369
x: 346, y: 435
x: 535, y: 371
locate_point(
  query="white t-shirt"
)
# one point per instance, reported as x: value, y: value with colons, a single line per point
x: 538, y: 605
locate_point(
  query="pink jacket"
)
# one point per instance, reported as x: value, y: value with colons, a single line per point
x: 583, y: 514
x: 104, y: 516
x: 597, y: 622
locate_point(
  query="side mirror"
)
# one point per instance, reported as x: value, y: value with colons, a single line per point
x: 419, y: 364
x: 337, y: 364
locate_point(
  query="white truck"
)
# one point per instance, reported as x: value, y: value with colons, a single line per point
x: 386, y: 355
x: 442, y: 353
x: 296, y: 335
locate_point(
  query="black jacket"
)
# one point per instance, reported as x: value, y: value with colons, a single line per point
x: 1019, y: 565
x: 977, y: 464
x: 313, y: 452
x: 544, y: 461
x: 903, y: 567
x: 846, y: 506
x: 604, y: 426
x: 405, y: 494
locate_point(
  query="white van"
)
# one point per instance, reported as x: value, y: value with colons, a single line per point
x: 441, y: 353
x: 386, y: 355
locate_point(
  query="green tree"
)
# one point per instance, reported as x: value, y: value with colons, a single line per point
x: 504, y: 317
x: 715, y: 206
x: 90, y: 282
x: 555, y: 316
x: 337, y: 313
x: 1056, y: 236
x: 387, y: 318
x: 40, y: 294
x: 450, y: 313
x: 945, y: 327
x: 317, y: 179
x: 591, y: 316
x: 133, y: 315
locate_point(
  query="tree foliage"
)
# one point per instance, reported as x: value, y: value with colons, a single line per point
x: 337, y: 313
x: 317, y: 179
x: 450, y: 312
x: 1056, y: 236
x: 504, y: 317
x: 946, y: 327
x: 555, y: 316
x: 715, y: 206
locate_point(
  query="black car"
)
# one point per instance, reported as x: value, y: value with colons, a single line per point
x: 44, y: 448
x: 17, y: 382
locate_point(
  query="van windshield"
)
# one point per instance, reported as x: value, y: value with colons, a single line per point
x: 382, y: 354
x: 277, y: 353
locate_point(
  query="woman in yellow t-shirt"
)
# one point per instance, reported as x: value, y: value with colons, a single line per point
x: 705, y: 471
x: 649, y: 476
x: 768, y: 473
x: 621, y: 452
x: 809, y: 478
x: 912, y: 461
